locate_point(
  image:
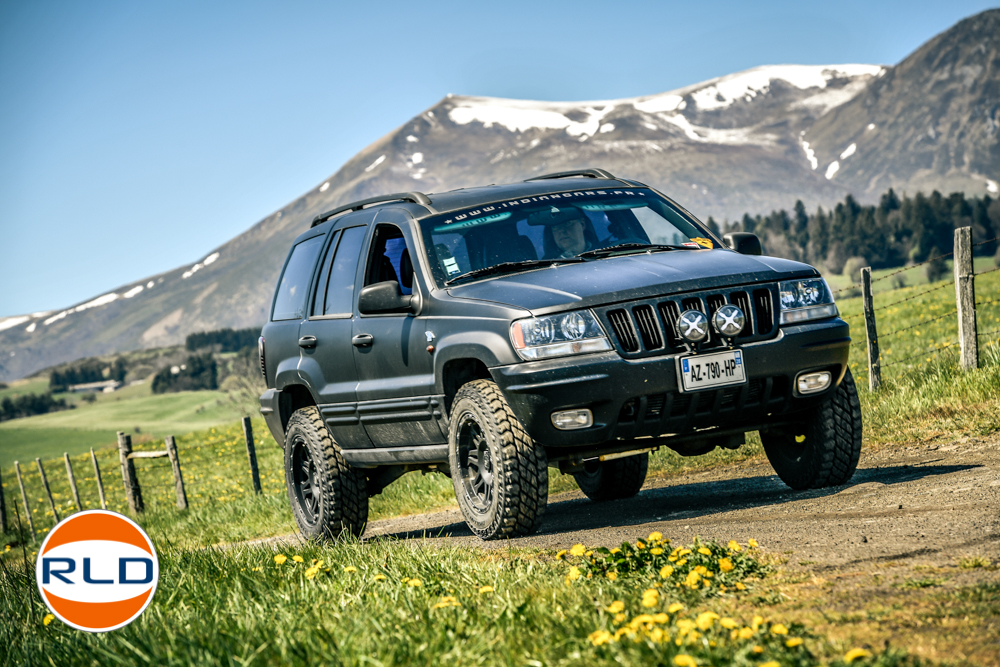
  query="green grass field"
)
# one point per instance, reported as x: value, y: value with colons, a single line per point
x: 359, y: 605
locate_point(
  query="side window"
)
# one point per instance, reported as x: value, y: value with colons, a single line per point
x: 339, y: 293
x: 289, y: 303
x: 390, y: 259
x: 324, y: 276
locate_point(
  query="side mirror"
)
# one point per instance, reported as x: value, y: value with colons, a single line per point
x: 743, y: 243
x: 386, y: 297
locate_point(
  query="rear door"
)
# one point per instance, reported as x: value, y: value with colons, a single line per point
x: 327, y: 356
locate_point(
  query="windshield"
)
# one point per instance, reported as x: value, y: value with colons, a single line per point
x: 554, y: 227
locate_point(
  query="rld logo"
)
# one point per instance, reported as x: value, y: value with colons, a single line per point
x: 97, y: 571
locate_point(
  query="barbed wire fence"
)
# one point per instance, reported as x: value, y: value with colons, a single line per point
x: 966, y: 311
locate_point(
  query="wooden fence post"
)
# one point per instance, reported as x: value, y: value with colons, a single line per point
x: 100, y: 484
x: 175, y: 462
x: 45, y: 483
x: 72, y: 482
x: 251, y: 454
x: 874, y: 360
x: 965, y: 297
x: 132, y: 491
x: 3, y: 510
x: 24, y: 499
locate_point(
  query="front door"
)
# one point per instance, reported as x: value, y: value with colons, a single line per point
x: 395, y: 370
x: 327, y: 357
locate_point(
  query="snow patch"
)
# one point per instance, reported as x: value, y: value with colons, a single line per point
x: 9, y: 322
x: 417, y: 158
x: 102, y: 300
x: 132, y: 292
x: 734, y: 137
x: 871, y: 126
x: 607, y: 127
x: 200, y: 265
x: 521, y: 116
x: 991, y: 186
x: 747, y: 85
x: 650, y: 126
x: 832, y: 169
x: 810, y: 155
x: 660, y: 103
x: 211, y: 258
x: 31, y: 327
x: 324, y: 187
x: 412, y: 139
x: 150, y: 284
x: 380, y: 160
x: 849, y: 151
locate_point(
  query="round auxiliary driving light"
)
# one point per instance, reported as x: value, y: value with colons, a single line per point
x: 729, y: 321
x: 693, y: 326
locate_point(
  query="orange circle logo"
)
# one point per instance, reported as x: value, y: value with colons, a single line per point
x: 97, y: 571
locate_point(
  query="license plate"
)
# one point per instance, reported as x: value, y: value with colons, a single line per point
x: 706, y: 371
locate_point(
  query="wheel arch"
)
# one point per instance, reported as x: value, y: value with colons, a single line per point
x: 293, y: 397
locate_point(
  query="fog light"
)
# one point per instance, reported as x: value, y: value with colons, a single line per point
x: 810, y: 383
x: 569, y: 420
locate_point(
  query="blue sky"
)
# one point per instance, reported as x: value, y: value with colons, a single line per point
x: 137, y: 136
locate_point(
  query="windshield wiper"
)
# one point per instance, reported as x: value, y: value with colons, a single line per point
x: 508, y: 267
x: 642, y: 247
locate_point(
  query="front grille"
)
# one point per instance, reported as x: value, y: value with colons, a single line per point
x: 649, y: 327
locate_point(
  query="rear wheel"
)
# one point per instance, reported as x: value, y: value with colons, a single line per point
x: 613, y: 480
x: 825, y: 449
x: 501, y: 479
x: 328, y: 496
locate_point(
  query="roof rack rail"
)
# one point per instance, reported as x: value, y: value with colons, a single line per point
x: 588, y: 173
x: 415, y: 197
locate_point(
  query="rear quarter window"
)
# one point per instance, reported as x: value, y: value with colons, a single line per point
x: 289, y: 302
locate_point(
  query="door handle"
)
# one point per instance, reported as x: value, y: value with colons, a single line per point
x: 363, y: 340
x: 307, y: 341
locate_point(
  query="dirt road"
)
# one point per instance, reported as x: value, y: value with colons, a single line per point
x: 929, y: 502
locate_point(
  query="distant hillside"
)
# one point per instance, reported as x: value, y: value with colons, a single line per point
x: 745, y: 143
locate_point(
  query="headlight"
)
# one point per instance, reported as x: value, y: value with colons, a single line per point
x: 558, y: 335
x: 804, y: 300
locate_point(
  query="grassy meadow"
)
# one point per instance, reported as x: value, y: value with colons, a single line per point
x: 387, y: 602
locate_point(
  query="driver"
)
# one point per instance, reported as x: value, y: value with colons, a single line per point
x: 569, y: 237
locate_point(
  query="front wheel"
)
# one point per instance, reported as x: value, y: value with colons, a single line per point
x: 613, y: 480
x: 328, y: 496
x: 501, y: 479
x: 823, y: 451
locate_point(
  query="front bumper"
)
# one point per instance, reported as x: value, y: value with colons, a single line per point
x: 638, y: 398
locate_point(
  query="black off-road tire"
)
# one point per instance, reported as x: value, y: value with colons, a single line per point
x: 829, y: 454
x: 328, y: 496
x: 613, y: 480
x: 501, y: 478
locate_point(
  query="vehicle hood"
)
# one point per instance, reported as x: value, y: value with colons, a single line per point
x: 626, y: 278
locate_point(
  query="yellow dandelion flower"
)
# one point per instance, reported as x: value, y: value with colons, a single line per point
x: 612, y: 575
x: 752, y: 543
x: 655, y: 536
x: 578, y: 550
x: 705, y: 551
x: 684, y: 660
x: 735, y: 546
x: 779, y: 629
x: 672, y: 558
x: 692, y: 579
x: 856, y: 653
x: 656, y: 551
x: 414, y: 583
x: 758, y: 649
x: 349, y: 568
x: 298, y: 559
x: 280, y: 558
x: 674, y: 608
x: 48, y: 619
x: 616, y: 550
x: 666, y: 571
x: 650, y: 601
x: 599, y: 637
x: 793, y: 642
x: 702, y: 570
x: 256, y: 569
x: 661, y: 618
x: 561, y: 554
x: 728, y: 623
x: 6, y: 548
x: 574, y: 574
x: 404, y: 580
x: 657, y: 635
x: 379, y: 577
x: 483, y: 590
x: 619, y: 618
x: 683, y: 552
x: 757, y: 622
x: 740, y: 586
x: 746, y: 633
x: 616, y: 607
x: 311, y: 572
x: 639, y: 544
x: 770, y: 663
x: 725, y: 565
x: 706, y: 620
x: 640, y: 620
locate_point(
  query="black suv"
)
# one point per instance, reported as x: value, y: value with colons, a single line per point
x: 576, y: 320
